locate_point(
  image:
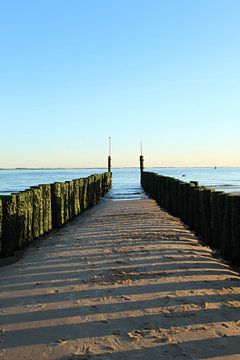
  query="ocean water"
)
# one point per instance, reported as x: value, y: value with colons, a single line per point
x: 126, y: 181
x: 225, y: 179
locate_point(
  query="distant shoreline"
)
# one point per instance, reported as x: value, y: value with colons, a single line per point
x: 117, y: 167
x: 71, y: 168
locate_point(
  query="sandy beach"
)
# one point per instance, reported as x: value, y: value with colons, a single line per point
x: 125, y: 280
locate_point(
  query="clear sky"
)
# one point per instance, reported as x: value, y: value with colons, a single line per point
x: 74, y: 72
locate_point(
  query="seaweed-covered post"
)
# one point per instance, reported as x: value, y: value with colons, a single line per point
x: 77, y: 208
x: 90, y: 191
x: 186, y: 191
x: 70, y: 199
x: 97, y: 187
x: 29, y: 207
x: 57, y: 200
x: 37, y: 211
x: 235, y: 243
x: 206, y: 214
x: 65, y: 195
x: 226, y: 235
x: 1, y: 218
x: 9, y: 222
x: 84, y: 193
x: 217, y: 217
x: 47, y: 207
x: 22, y: 219
x: 191, y: 206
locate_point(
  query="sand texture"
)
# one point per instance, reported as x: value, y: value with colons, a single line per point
x: 124, y: 281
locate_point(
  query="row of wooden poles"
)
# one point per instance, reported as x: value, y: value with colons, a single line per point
x: 212, y: 215
x: 29, y: 214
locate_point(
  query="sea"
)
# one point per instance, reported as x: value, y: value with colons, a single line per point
x: 126, y: 181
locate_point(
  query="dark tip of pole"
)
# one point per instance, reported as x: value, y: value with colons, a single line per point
x: 109, y: 153
x: 141, y: 168
x: 109, y: 163
x: 141, y: 163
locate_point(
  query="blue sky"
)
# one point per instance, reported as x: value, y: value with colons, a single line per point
x: 74, y: 72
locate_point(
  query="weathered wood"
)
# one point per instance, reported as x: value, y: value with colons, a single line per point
x: 213, y: 215
x: 76, y: 195
x: 9, y: 225
x: 47, y: 207
x: 57, y: 201
x: 235, y: 240
x: 71, y: 201
x: 29, y: 209
x: 29, y: 214
x: 65, y: 195
x: 226, y: 236
x: 37, y: 211
x: 206, y: 214
x: 1, y: 220
x: 90, y: 191
x: 22, y: 220
x: 84, y: 194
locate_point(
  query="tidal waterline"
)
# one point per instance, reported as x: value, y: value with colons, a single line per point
x: 126, y: 181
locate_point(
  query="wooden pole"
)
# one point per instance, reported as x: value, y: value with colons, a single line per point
x: 141, y: 161
x: 109, y: 154
x: 141, y: 164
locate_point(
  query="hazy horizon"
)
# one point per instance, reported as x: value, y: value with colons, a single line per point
x: 114, y: 167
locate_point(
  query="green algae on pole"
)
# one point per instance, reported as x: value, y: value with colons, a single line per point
x: 47, y: 207
x: 84, y: 194
x: 37, y: 211
x: 9, y: 225
x: 22, y: 219
x: 29, y: 214
x: 90, y: 191
x: 76, y: 197
x: 57, y: 204
x: 70, y: 199
x: 29, y: 209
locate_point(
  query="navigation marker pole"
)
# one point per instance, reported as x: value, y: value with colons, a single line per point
x: 141, y: 161
x: 109, y: 153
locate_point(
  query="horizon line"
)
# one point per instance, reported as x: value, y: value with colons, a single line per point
x: 114, y: 167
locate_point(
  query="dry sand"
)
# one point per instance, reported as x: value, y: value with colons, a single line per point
x: 124, y: 281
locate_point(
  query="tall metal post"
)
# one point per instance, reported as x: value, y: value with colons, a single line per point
x: 109, y: 153
x: 141, y: 161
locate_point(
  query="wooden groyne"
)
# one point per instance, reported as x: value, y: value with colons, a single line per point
x: 213, y: 215
x: 29, y: 214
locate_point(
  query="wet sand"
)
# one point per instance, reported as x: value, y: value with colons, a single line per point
x: 124, y: 281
